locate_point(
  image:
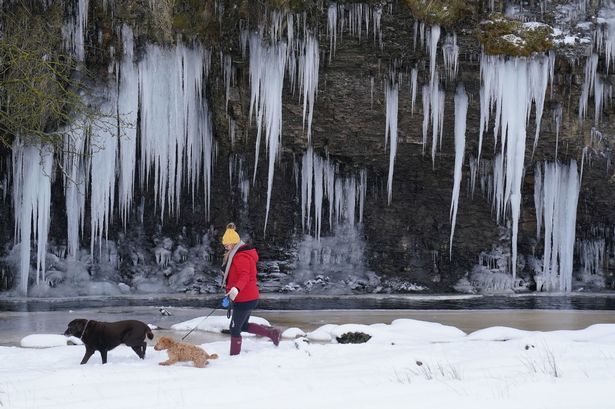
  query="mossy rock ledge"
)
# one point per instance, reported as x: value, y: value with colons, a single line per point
x: 444, y: 13
x: 502, y: 36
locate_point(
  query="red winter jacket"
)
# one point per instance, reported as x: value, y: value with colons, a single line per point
x: 242, y: 274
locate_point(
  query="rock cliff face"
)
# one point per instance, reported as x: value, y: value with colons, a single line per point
x: 360, y: 241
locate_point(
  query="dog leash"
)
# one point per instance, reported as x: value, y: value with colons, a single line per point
x: 84, y: 328
x: 226, y: 303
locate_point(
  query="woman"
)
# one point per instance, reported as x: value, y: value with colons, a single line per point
x: 240, y: 281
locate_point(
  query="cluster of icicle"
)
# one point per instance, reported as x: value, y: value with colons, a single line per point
x: 176, y: 142
x: 556, y: 194
x: 433, y: 93
x: 32, y: 170
x: 269, y: 62
x: 509, y: 86
x: 355, y: 19
x: 320, y: 180
x: 74, y: 30
x: 592, y: 255
x: 593, y: 84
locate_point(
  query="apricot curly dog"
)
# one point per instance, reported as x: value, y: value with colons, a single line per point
x: 181, y: 352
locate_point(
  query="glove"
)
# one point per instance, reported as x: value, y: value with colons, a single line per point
x: 226, y: 302
x: 233, y: 293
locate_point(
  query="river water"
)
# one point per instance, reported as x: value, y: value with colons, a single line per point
x: 21, y: 317
x: 540, y: 301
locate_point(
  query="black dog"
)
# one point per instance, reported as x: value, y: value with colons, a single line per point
x: 104, y: 336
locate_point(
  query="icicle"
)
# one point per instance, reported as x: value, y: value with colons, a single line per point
x: 413, y: 85
x: 318, y: 194
x: 538, y: 198
x: 366, y: 16
x: 592, y: 256
x: 598, y: 99
x: 422, y: 36
x: 339, y: 197
x: 377, y: 13
x: 461, y: 110
x: 307, y: 175
x: 511, y: 85
x: 275, y: 28
x: 426, y: 113
x: 74, y: 30
x: 433, y: 97
x: 244, y: 187
x: 362, y: 192
x: 473, y: 164
x: 550, y: 215
x: 296, y: 67
x: 103, y: 154
x: 607, y: 35
x: 433, y: 48
x: 76, y: 169
x: 551, y: 70
x: 310, y: 80
x: 487, y: 74
x: 391, y: 96
x: 330, y: 173
x: 227, y: 68
x: 498, y: 186
x: 238, y: 178
x: 350, y: 193
x: 320, y: 176
x: 588, y: 84
x: 231, y: 170
x: 290, y: 32
x: 243, y: 40
x: 561, y: 194
x: 539, y: 79
x: 485, y: 171
x: 352, y: 17
x: 6, y: 180
x: 583, y: 154
x: 127, y: 107
x: 371, y: 92
x: 32, y: 173
x: 450, y: 52
x: 557, y: 117
x: 176, y: 130
x: 267, y: 79
x: 332, y: 28
x: 437, y: 117
x: 354, y: 20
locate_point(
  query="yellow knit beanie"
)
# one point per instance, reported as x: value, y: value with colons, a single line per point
x: 230, y: 235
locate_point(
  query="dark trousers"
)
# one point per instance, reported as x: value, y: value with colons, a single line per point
x: 241, y: 316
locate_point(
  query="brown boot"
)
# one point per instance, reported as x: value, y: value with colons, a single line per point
x: 235, y: 345
x: 269, y: 332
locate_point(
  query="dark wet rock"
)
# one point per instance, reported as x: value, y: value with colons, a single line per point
x: 353, y: 338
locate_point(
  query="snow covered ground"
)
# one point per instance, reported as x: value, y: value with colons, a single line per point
x: 410, y: 363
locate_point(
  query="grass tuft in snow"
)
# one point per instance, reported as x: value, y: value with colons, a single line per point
x: 429, y: 371
x: 545, y: 363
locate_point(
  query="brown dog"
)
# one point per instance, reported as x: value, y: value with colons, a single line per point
x: 181, y: 352
x: 104, y: 336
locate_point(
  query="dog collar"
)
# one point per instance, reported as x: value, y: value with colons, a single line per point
x: 83, y: 332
